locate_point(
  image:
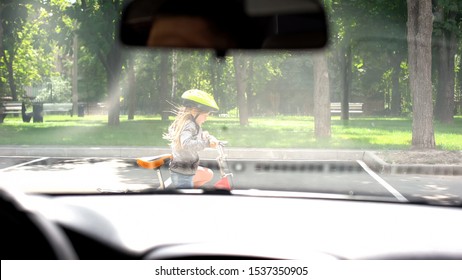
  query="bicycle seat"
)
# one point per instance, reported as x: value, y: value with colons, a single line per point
x: 154, y: 162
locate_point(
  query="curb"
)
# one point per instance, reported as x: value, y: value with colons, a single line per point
x: 380, y: 166
x: 368, y: 157
x: 135, y: 152
x: 73, y: 151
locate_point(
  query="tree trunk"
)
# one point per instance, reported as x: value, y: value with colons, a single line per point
x: 164, y: 86
x: 240, y: 66
x: 131, y: 89
x: 459, y: 79
x: 75, y: 75
x: 174, y: 74
x: 213, y: 74
x: 114, y: 66
x: 114, y: 101
x: 396, y: 93
x: 420, y: 27
x: 8, y: 61
x: 346, y: 82
x: 250, y: 96
x: 218, y: 91
x: 322, y: 118
x: 444, y: 107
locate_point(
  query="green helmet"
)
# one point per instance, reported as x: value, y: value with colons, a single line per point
x: 199, y: 99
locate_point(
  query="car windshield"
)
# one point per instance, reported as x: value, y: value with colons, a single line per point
x: 376, y: 114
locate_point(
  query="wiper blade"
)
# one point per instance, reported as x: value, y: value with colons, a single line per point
x: 208, y: 191
x: 436, y: 202
x: 282, y: 194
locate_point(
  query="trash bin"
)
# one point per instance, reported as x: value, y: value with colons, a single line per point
x: 81, y: 109
x: 37, y: 111
x: 26, y: 117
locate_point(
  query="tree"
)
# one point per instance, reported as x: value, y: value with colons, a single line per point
x: 396, y: 59
x: 447, y: 19
x: 241, y: 67
x: 420, y: 28
x: 75, y: 75
x: 346, y: 25
x: 370, y: 38
x: 25, y: 53
x: 322, y: 118
x: 459, y: 79
x: 13, y: 18
x: 131, y: 87
x: 164, y: 88
x: 98, y: 23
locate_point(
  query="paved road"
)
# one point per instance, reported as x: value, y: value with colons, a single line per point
x: 347, y: 177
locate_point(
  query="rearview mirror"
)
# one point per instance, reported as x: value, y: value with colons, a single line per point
x: 224, y: 24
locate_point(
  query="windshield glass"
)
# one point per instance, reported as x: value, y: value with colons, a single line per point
x: 377, y: 113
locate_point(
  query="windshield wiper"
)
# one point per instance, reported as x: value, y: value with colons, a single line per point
x: 281, y: 194
x: 436, y: 202
x: 207, y: 191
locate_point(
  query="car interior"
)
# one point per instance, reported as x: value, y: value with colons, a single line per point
x: 217, y: 224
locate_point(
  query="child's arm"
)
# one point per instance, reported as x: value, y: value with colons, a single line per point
x: 192, y: 141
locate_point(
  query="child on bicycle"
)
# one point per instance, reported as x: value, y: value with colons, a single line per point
x: 187, y: 139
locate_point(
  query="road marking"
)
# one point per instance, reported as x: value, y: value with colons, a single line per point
x: 24, y: 163
x: 381, y: 181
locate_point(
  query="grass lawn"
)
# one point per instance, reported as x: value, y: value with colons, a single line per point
x: 277, y: 132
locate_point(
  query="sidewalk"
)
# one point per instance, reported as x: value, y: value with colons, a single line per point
x: 368, y: 157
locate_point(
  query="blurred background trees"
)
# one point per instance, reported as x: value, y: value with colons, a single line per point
x: 367, y: 61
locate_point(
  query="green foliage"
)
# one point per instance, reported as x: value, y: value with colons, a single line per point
x: 447, y: 17
x: 28, y: 41
x: 37, y: 39
x: 58, y: 90
x: 92, y: 81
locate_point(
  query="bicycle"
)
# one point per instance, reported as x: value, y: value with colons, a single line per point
x: 157, y: 162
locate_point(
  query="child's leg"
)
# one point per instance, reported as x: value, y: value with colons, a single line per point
x: 203, y: 175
